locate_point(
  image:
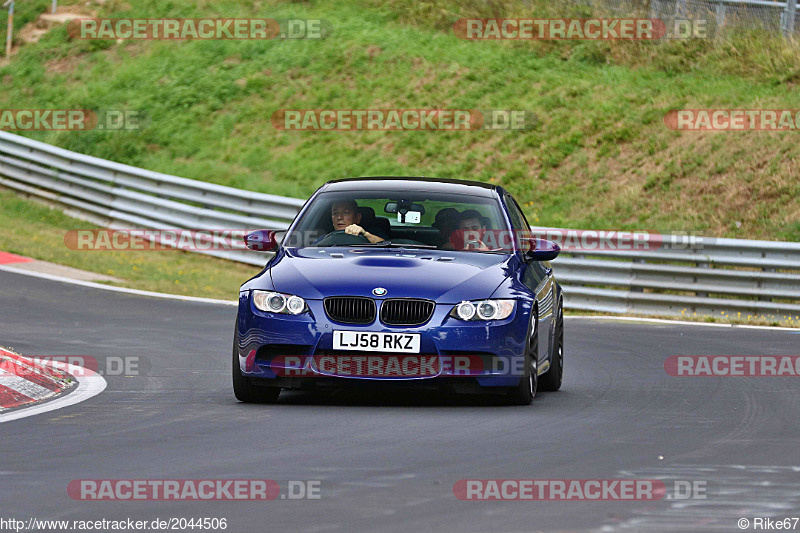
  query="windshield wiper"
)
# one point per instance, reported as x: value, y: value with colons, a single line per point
x: 388, y: 244
x: 391, y: 244
x: 345, y: 245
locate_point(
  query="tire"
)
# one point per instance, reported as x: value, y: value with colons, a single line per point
x: 551, y: 380
x: 243, y: 387
x: 524, y: 393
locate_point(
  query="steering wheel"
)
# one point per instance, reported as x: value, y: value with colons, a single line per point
x: 339, y: 237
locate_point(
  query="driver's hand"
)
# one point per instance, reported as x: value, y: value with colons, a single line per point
x: 477, y: 245
x: 354, y: 229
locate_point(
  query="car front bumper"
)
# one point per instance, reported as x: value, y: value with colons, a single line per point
x: 289, y: 351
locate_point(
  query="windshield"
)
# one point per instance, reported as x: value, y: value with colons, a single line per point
x: 409, y: 219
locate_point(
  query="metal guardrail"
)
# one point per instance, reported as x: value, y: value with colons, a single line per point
x: 121, y: 196
x: 685, y: 276
x: 661, y: 287
x: 770, y: 15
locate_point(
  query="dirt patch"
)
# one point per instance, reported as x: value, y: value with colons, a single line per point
x: 65, y: 15
x: 33, y: 32
x: 30, y: 33
x: 62, y: 65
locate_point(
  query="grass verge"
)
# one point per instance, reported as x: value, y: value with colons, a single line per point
x: 34, y: 230
x: 598, y: 156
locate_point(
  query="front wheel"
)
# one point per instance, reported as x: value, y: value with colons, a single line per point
x: 551, y: 381
x: 523, y: 393
x: 243, y: 387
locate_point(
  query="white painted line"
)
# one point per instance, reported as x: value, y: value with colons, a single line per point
x: 124, y: 290
x: 235, y: 303
x: 679, y: 322
x: 23, y: 386
x: 90, y: 384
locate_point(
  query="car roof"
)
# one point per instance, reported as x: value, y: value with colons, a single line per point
x: 400, y: 183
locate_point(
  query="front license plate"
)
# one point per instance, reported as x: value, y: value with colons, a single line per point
x: 376, y: 342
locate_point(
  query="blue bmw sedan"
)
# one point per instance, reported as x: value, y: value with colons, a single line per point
x: 402, y: 282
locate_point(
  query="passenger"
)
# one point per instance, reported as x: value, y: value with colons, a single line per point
x: 471, y: 229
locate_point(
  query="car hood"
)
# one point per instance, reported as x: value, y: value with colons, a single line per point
x: 446, y: 277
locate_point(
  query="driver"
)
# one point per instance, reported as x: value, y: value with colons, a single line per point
x: 345, y: 216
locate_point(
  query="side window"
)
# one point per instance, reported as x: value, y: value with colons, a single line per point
x: 520, y: 226
x: 515, y: 214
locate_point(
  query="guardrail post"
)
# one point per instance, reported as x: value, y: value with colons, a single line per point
x: 720, y: 16
x: 680, y: 9
x: 633, y: 280
x: 10, y: 33
x: 701, y: 265
x: 791, y: 9
x: 766, y: 298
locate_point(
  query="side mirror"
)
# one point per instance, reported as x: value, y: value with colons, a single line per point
x: 261, y: 240
x: 542, y: 250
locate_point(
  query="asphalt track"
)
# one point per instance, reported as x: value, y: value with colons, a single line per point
x: 389, y: 463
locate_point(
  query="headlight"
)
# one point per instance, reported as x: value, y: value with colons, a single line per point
x: 275, y: 302
x: 487, y: 309
x: 465, y: 310
x: 295, y: 305
x: 483, y: 310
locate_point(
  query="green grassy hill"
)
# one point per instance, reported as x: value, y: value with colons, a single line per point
x: 599, y: 156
